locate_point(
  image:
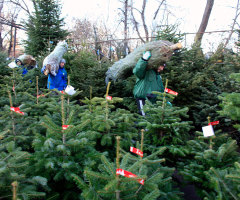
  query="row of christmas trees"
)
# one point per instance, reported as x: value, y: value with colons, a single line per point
x: 59, y: 144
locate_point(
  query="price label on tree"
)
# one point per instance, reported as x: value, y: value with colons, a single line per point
x: 171, y: 91
x: 213, y: 123
x: 208, y: 131
x: 41, y: 95
x: 108, y: 97
x: 128, y: 175
x: 64, y: 127
x: 17, y: 110
x: 136, y: 151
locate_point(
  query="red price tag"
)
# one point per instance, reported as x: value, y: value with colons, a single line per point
x: 64, y: 127
x: 136, y: 151
x: 213, y: 123
x: 41, y: 95
x: 108, y: 97
x: 171, y: 91
x: 17, y: 110
x: 62, y: 92
x: 128, y: 175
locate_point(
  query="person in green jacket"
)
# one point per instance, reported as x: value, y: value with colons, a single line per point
x: 148, y: 80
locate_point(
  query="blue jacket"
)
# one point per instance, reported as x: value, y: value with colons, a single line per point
x: 23, y: 70
x: 59, y: 81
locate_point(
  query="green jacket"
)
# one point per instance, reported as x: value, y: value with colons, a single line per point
x: 147, y: 80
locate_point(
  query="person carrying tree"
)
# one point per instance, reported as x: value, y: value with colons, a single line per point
x: 60, y: 80
x: 148, y: 80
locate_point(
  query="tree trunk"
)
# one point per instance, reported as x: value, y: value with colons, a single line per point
x: 203, y: 25
x: 1, y: 27
x: 237, y: 13
x: 11, y: 40
x: 15, y: 42
x: 125, y: 27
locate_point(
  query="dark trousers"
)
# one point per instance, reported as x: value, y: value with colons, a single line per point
x: 140, y: 104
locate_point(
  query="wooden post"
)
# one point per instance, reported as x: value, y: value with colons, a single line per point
x: 164, y: 94
x: 15, y: 42
x: 13, y: 81
x: 118, y: 166
x: 63, y: 119
x: 108, y: 86
x: 37, y: 87
x: 14, y: 185
x: 210, y: 141
x: 90, y: 96
x: 142, y: 138
x: 13, y: 121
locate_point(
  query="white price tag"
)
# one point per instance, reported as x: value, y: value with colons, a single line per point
x: 208, y: 131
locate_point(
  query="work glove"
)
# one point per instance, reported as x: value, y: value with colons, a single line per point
x: 147, y: 55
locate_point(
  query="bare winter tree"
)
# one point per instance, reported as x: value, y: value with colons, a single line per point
x: 12, y: 41
x: 81, y: 34
x: 204, y: 23
x: 142, y: 24
x: 125, y: 19
x: 8, y: 22
x: 237, y: 13
x: 22, y: 5
x: 1, y: 26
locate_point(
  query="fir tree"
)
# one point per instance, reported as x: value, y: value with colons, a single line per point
x: 231, y: 103
x: 65, y: 148
x: 219, y: 153
x: 106, y: 184
x: 14, y: 164
x: 165, y: 127
x: 44, y: 27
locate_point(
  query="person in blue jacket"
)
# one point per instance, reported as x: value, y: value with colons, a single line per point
x: 21, y: 67
x: 60, y: 80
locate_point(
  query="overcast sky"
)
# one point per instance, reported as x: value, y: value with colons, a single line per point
x: 187, y: 13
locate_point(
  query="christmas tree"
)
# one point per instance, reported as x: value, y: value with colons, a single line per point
x: 44, y: 27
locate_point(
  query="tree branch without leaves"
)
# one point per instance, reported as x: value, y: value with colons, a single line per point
x: 157, y: 11
x: 20, y: 5
x: 237, y: 13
